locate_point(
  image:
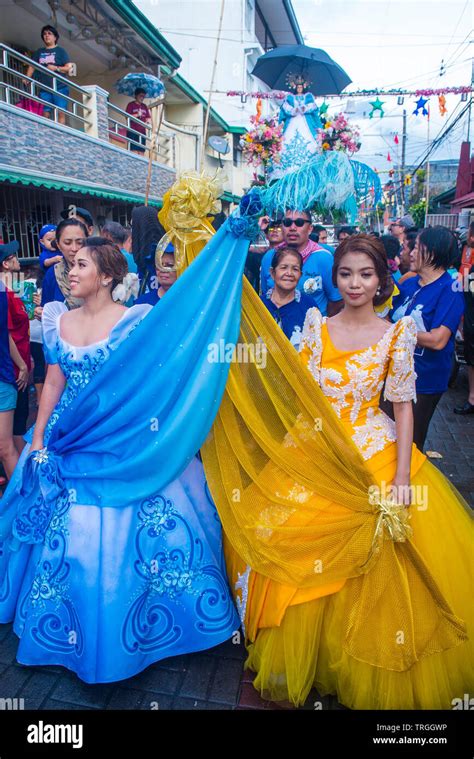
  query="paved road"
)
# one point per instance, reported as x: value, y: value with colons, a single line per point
x: 213, y: 679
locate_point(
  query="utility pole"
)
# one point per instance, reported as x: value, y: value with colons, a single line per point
x: 427, y: 186
x: 404, y: 144
x: 470, y: 101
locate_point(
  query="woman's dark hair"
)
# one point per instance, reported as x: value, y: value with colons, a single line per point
x: 72, y: 222
x: 411, y: 242
x: 115, y: 232
x: 438, y: 247
x: 49, y: 28
x: 281, y: 252
x: 391, y: 245
x: 108, y: 258
x: 347, y: 230
x: 146, y: 232
x: 372, y: 247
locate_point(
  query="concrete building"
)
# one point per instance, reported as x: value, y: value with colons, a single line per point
x: 249, y: 29
x: 45, y: 166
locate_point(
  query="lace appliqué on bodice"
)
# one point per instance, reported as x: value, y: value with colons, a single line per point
x: 78, y: 367
x: 352, y: 382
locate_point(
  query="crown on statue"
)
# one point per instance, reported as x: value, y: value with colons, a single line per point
x: 293, y: 81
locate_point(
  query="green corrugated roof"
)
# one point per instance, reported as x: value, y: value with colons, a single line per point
x: 139, y: 22
x: 63, y: 183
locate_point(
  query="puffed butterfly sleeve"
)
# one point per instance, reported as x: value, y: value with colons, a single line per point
x: 127, y: 324
x: 50, y: 326
x: 311, y: 346
x: 400, y: 385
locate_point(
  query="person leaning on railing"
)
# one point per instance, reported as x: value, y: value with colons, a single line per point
x: 56, y: 59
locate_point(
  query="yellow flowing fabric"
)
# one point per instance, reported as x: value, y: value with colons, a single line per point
x: 292, y: 492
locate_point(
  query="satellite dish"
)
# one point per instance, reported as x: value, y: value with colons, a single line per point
x: 220, y: 145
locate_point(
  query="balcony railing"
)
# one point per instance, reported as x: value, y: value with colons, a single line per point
x: 25, y: 92
x: 176, y: 147
x: 130, y: 133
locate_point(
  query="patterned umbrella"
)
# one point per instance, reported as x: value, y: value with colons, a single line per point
x: 153, y: 86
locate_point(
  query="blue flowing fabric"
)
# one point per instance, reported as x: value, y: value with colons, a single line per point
x: 163, y: 379
x: 110, y: 546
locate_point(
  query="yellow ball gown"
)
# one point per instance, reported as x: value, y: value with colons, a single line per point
x: 361, y: 637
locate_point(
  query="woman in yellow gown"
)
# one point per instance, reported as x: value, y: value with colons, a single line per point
x: 399, y: 634
x: 337, y: 586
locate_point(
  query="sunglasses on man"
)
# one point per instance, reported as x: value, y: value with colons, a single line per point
x: 299, y: 222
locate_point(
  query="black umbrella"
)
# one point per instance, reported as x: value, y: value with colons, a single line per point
x: 325, y: 77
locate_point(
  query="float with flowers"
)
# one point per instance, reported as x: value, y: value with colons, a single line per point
x: 338, y: 134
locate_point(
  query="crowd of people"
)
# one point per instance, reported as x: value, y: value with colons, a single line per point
x: 292, y: 272
x: 371, y: 312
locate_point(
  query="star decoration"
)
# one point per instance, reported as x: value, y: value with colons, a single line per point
x: 376, y: 106
x: 323, y: 109
x: 421, y: 106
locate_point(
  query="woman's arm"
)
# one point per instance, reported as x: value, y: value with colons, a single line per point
x: 53, y: 387
x: 22, y: 380
x: 403, y: 413
x: 436, y: 339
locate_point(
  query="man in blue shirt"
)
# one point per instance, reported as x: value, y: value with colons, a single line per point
x: 316, y: 281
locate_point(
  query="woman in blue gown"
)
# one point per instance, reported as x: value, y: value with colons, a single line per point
x: 105, y: 585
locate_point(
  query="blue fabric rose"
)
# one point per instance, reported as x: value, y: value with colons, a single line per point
x: 246, y: 227
x: 251, y: 204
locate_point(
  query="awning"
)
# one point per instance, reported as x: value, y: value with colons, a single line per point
x: 65, y: 184
x: 466, y: 201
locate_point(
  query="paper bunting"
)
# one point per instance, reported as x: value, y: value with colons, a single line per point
x: 442, y: 105
x: 421, y: 106
x: 396, y: 140
x: 376, y: 106
x: 389, y: 157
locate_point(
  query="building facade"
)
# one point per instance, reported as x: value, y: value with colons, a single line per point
x: 45, y: 165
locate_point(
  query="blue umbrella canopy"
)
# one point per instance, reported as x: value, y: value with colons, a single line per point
x: 323, y: 75
x: 153, y: 86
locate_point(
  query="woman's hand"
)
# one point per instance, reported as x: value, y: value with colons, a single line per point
x: 401, y: 490
x: 23, y: 375
x: 37, y: 443
x: 38, y: 312
x: 37, y: 299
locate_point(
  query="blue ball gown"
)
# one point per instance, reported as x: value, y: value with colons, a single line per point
x: 108, y: 591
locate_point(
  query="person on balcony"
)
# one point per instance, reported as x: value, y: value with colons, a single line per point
x: 140, y: 111
x: 56, y: 59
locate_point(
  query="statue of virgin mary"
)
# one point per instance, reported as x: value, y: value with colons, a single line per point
x: 300, y: 116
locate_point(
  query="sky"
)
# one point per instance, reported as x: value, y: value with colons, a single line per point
x: 382, y: 44
x: 396, y: 43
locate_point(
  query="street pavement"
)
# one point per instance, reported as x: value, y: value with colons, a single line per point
x: 215, y: 679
